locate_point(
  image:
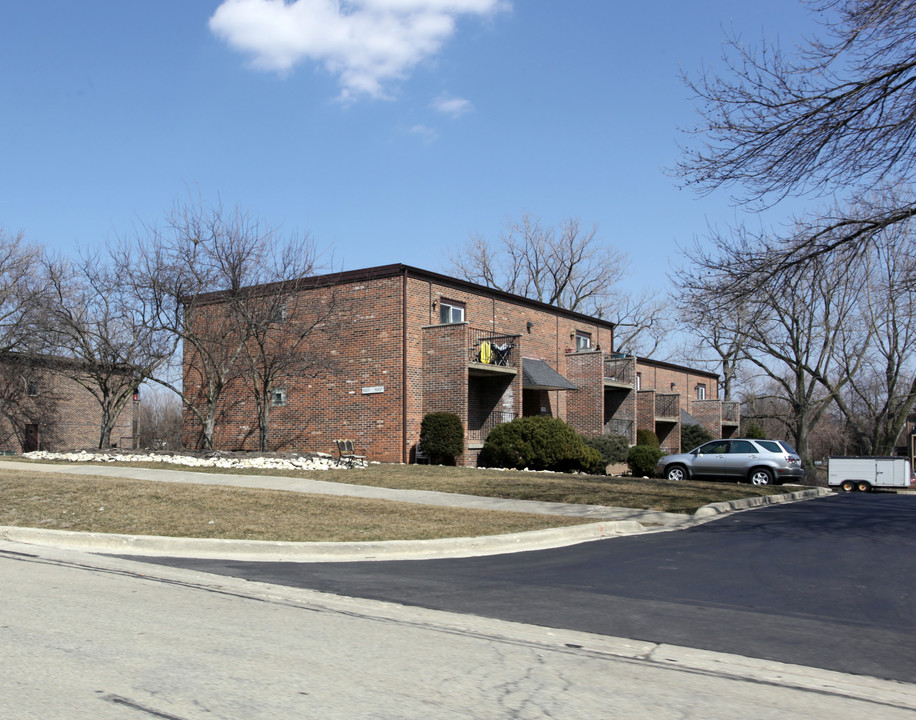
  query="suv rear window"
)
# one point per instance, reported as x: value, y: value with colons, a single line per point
x: 788, y: 448
x: 771, y: 445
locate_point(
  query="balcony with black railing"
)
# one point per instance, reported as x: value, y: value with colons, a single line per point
x: 481, y: 422
x: 620, y: 371
x: 619, y: 426
x: 667, y: 406
x: 492, y: 350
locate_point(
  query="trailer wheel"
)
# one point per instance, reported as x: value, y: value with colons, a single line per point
x: 848, y: 486
x: 864, y: 486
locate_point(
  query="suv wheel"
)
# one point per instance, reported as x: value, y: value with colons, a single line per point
x: 761, y: 476
x: 676, y: 473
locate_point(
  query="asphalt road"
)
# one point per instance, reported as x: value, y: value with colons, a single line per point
x: 825, y: 583
x: 88, y: 636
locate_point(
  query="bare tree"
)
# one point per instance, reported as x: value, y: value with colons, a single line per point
x: 179, y: 266
x: 642, y: 325
x: 219, y: 277
x: 21, y: 289
x: 289, y: 334
x: 95, y: 322
x: 567, y: 266
x: 790, y: 331
x: 836, y: 116
x: 877, y: 362
x: 159, y: 421
x: 723, y: 339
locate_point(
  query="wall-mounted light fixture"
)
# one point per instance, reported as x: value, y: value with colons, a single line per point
x: 673, y: 385
x: 435, y: 302
x: 529, y: 325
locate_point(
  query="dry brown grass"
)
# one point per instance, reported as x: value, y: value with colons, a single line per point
x: 108, y: 505
x: 629, y: 492
x: 77, y: 502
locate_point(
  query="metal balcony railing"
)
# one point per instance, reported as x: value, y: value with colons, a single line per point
x: 619, y: 426
x: 480, y: 422
x: 666, y: 405
x: 620, y: 370
x: 489, y: 348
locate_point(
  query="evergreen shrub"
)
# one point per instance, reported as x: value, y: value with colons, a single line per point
x: 537, y: 443
x: 693, y: 436
x: 613, y: 448
x: 642, y: 458
x: 647, y: 437
x: 441, y: 437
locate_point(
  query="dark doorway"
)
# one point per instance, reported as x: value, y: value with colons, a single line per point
x: 30, y: 442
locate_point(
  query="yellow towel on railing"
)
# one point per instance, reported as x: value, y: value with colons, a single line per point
x: 486, y: 353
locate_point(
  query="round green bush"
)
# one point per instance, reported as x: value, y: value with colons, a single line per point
x: 536, y: 443
x: 647, y: 437
x: 442, y: 437
x: 593, y: 462
x: 642, y: 458
x: 613, y: 448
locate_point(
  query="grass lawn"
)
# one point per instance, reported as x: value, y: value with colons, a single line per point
x: 97, y: 504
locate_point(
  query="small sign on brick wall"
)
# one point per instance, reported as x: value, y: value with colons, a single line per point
x: 373, y: 389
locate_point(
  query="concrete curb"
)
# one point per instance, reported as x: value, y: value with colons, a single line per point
x: 267, y: 551
x: 719, y: 508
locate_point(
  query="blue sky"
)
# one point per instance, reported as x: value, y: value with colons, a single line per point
x: 390, y: 131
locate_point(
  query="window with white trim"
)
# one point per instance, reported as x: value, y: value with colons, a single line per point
x: 583, y: 340
x: 701, y: 392
x: 451, y: 312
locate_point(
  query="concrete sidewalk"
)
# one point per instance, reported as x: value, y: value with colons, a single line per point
x: 610, y: 521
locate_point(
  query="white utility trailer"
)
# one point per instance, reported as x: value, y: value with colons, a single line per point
x: 865, y: 473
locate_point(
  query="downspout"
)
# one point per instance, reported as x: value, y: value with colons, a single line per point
x: 404, y: 455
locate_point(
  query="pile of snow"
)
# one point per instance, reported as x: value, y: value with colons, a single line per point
x: 318, y: 461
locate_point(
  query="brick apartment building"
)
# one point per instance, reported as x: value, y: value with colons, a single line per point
x: 669, y: 394
x: 45, y: 409
x: 411, y: 342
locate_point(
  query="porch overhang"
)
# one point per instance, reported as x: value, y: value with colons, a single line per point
x: 538, y: 375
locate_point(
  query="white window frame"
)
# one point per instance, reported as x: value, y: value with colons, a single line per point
x: 701, y: 391
x: 451, y: 312
x: 583, y: 340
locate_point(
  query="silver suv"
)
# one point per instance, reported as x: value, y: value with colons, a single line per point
x: 762, y: 462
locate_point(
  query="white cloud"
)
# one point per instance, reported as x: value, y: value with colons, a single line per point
x: 365, y: 43
x: 426, y: 133
x: 451, y: 105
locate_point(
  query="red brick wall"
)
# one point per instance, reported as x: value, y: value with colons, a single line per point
x: 421, y: 370
x: 585, y: 406
x: 661, y: 377
x: 67, y: 415
x: 445, y: 373
x: 709, y: 413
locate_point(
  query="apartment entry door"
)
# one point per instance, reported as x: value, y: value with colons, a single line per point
x: 30, y: 441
